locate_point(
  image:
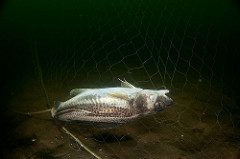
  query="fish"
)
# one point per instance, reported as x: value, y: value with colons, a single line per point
x: 111, y: 105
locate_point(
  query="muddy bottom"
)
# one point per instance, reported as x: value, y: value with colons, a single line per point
x: 199, y: 125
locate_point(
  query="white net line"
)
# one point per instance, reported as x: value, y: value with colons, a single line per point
x: 151, y: 51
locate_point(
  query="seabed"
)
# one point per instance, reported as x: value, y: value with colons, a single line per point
x: 197, y: 126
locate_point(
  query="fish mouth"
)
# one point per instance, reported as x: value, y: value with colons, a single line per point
x: 164, y: 104
x: 169, y: 102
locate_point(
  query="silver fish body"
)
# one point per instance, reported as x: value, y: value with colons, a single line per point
x: 114, y: 105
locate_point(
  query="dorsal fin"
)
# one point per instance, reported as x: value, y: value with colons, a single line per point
x: 126, y: 84
x: 76, y: 91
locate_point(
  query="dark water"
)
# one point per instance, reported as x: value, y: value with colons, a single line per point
x: 190, y: 47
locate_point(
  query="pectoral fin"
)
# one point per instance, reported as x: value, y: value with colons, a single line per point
x: 119, y: 95
x: 126, y: 84
x: 77, y: 91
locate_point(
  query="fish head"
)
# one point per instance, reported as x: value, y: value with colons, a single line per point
x: 162, y: 101
x: 157, y: 100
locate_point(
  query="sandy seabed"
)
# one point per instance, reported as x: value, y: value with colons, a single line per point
x: 198, y: 125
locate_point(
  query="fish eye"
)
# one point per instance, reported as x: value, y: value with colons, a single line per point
x: 158, y: 104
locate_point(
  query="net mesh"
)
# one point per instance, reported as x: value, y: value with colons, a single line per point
x: 151, y: 45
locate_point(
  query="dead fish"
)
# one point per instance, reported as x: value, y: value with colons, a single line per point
x: 113, y: 105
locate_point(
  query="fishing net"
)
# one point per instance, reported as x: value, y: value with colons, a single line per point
x: 179, y: 46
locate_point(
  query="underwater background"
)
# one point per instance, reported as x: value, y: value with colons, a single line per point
x: 190, y: 47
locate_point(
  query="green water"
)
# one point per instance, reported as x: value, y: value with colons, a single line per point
x: 50, y: 47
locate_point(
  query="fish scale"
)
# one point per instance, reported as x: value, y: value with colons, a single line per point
x: 111, y: 105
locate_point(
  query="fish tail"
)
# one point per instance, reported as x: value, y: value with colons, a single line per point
x: 57, y: 104
x: 54, y: 109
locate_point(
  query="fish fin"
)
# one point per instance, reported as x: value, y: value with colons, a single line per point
x: 126, y: 84
x: 77, y: 91
x: 119, y: 95
x: 55, y: 107
x: 57, y: 104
